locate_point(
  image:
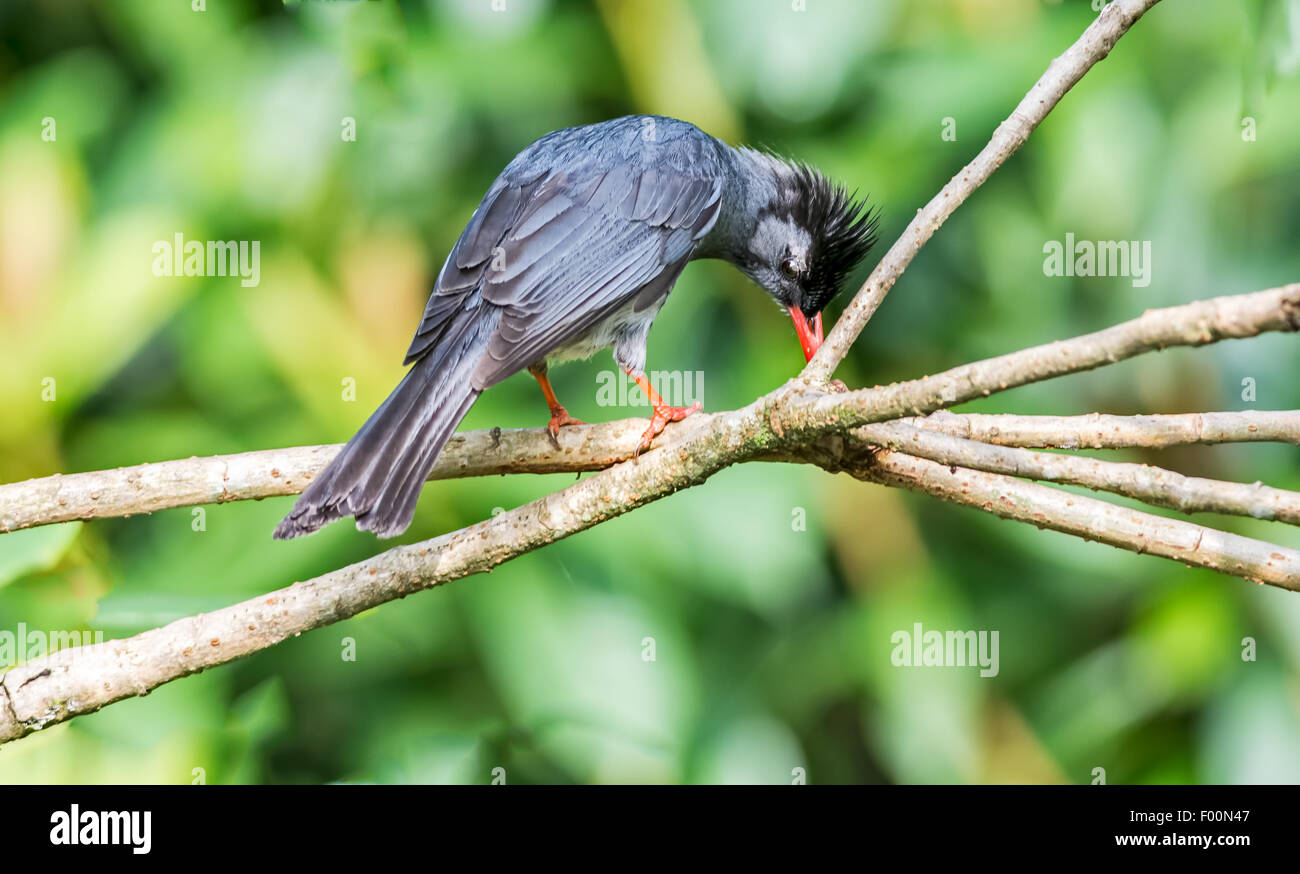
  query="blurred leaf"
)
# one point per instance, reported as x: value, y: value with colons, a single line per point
x: 34, y: 549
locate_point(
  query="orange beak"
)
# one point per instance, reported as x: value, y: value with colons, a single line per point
x: 810, y: 336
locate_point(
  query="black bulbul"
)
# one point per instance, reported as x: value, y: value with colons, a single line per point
x: 574, y: 249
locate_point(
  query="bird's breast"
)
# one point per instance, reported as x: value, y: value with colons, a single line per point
x: 625, y: 330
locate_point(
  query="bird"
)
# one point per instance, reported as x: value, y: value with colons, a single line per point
x: 573, y: 250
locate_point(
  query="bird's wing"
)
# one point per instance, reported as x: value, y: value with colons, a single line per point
x: 560, y: 251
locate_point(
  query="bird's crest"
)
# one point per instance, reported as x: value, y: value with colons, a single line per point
x: 840, y: 226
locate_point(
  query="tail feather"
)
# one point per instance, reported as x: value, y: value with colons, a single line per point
x: 394, y: 505
x: 378, y: 475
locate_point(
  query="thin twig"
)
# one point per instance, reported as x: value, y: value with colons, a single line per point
x: 1062, y: 74
x: 1154, y: 485
x: 1100, y: 431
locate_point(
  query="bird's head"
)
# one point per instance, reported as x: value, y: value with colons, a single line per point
x: 809, y: 236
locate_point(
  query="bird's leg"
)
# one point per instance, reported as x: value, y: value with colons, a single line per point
x: 559, y: 415
x: 663, y: 413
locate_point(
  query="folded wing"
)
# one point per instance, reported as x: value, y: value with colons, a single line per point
x: 557, y: 252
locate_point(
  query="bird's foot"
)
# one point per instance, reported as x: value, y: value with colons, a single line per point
x: 662, y: 416
x: 560, y: 418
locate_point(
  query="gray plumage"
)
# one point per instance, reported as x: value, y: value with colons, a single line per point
x: 574, y: 249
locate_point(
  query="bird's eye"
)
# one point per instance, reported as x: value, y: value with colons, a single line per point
x: 788, y: 268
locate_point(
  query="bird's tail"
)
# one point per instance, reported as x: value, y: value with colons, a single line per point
x: 378, y: 475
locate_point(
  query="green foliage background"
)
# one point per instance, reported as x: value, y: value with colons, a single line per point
x: 771, y: 644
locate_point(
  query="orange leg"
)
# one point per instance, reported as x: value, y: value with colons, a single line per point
x: 663, y: 413
x: 559, y: 415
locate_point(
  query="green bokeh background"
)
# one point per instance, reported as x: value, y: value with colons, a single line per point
x: 771, y: 644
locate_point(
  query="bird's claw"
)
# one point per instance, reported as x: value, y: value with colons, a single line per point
x: 560, y: 418
x: 662, y: 416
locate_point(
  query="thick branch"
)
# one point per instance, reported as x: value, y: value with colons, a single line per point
x: 83, y: 679
x: 215, y: 479
x: 1154, y: 485
x: 1061, y: 75
x: 80, y: 680
x: 149, y: 487
x: 187, y: 482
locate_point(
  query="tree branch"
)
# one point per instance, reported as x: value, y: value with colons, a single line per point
x: 268, y: 473
x: 80, y: 680
x: 1154, y: 485
x: 83, y: 679
x: 1085, y: 517
x: 1100, y: 431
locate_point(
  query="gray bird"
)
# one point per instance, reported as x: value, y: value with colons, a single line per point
x: 574, y: 249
